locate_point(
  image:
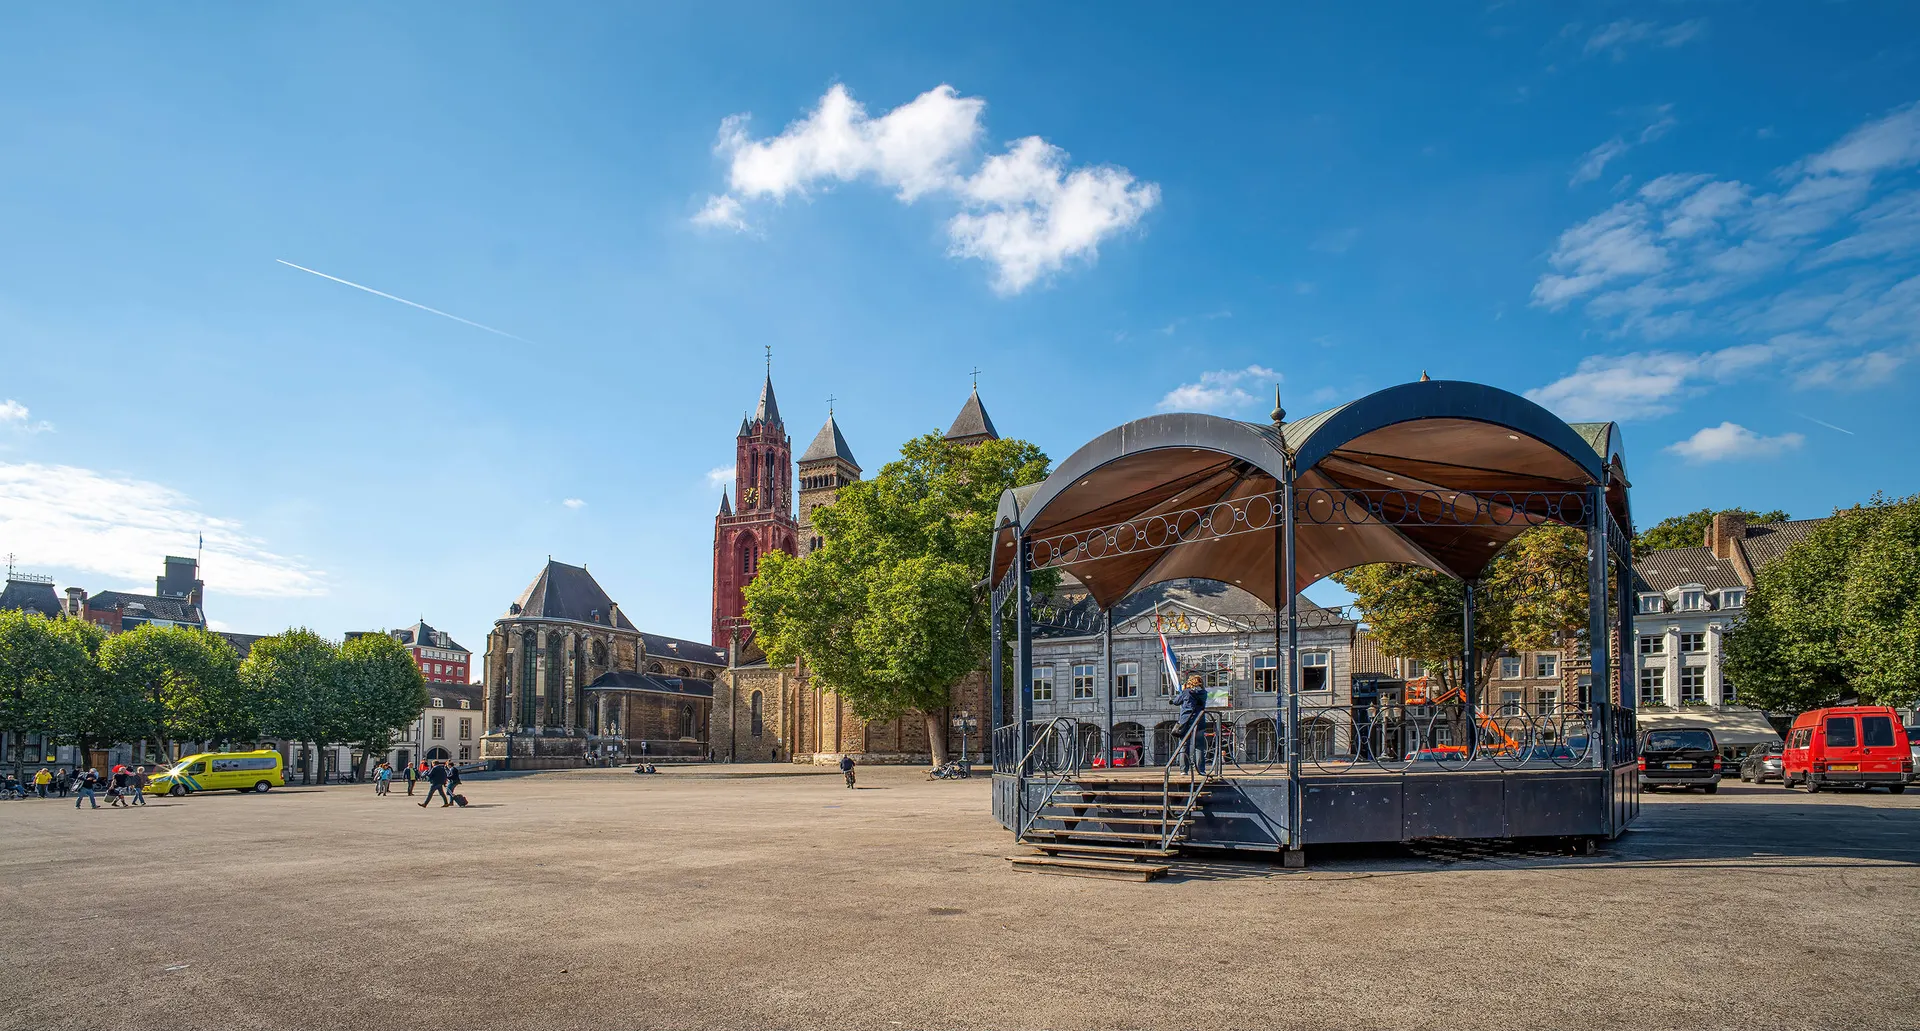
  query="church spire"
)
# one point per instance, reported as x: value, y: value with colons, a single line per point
x: 768, y: 412
x: 726, y: 507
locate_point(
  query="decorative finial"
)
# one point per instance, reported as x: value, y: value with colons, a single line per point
x: 1279, y: 413
x: 1424, y: 378
x: 769, y: 361
x: 830, y: 400
x: 976, y: 379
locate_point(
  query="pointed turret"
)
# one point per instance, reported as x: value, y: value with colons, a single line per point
x: 828, y: 444
x: 769, y: 410
x: 726, y: 507
x: 972, y: 426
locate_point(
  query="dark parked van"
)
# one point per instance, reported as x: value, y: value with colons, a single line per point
x: 1859, y: 746
x: 1681, y: 757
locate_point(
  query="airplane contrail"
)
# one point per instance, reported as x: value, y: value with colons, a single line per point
x: 1828, y: 425
x: 402, y: 300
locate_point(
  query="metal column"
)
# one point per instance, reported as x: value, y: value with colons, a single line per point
x: 1106, y: 635
x: 1023, y: 636
x: 1467, y: 660
x: 1283, y: 585
x: 996, y: 655
x: 1597, y: 627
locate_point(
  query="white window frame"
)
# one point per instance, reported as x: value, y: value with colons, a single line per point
x: 1733, y: 598
x: 1652, y: 603
x: 1126, y: 680
x: 1043, y: 683
x: 1512, y: 700
x: 1653, y: 679
x: 1694, y: 693
x: 1546, y: 664
x: 1316, y: 660
x: 1653, y: 644
x: 1547, y: 701
x: 1694, y: 637
x: 1693, y: 600
x: 1266, y: 674
x: 1511, y: 667
x: 1083, y: 673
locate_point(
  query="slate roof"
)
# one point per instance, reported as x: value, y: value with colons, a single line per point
x: 562, y: 591
x: 424, y: 636
x: 828, y: 444
x: 972, y: 420
x: 242, y: 643
x: 453, y: 693
x: 148, y: 606
x: 627, y: 680
x: 1768, y: 541
x: 1676, y: 567
x: 659, y: 647
x: 769, y: 409
x: 30, y: 596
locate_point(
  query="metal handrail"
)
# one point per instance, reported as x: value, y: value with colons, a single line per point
x: 1070, y: 770
x: 1167, y: 822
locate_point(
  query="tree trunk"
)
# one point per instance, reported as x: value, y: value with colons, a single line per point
x: 936, y: 737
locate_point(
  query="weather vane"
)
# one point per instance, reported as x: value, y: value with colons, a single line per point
x: 769, y: 359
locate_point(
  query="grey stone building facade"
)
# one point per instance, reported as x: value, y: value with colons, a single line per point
x: 1216, y: 630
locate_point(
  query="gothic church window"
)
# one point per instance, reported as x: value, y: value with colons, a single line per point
x: 599, y: 653
x: 758, y: 725
x: 530, y: 670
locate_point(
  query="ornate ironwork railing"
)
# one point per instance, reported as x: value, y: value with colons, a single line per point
x: 1316, y: 505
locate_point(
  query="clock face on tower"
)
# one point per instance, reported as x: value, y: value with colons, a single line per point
x: 751, y: 495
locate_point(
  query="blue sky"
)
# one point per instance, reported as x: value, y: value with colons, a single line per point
x: 1699, y: 219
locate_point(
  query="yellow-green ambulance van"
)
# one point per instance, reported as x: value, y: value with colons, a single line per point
x: 221, y: 771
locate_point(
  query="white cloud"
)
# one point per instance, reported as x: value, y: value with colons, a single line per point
x: 719, y: 476
x: 574, y: 503
x: 1596, y: 160
x: 722, y: 212
x: 1818, y: 275
x: 1732, y: 440
x: 58, y: 515
x: 16, y: 417
x: 1025, y: 212
x: 1222, y: 390
x: 1617, y: 36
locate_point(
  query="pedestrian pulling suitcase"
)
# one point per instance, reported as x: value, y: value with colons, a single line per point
x: 460, y: 800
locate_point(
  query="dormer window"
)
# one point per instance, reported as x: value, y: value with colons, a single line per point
x: 1732, y: 599
x: 1650, y: 603
x: 439, y: 703
x: 1692, y: 601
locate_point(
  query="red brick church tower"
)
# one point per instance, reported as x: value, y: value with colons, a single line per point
x: 763, y: 520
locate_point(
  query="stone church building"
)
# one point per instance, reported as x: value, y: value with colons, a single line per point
x: 569, y: 678
x: 764, y: 713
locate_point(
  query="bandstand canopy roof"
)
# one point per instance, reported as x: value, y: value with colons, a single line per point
x: 1440, y: 474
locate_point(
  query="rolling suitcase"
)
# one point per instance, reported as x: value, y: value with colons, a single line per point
x: 460, y: 800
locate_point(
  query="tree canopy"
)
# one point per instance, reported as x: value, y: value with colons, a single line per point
x: 1690, y: 530
x: 1836, y: 616
x: 1533, y: 595
x: 182, y: 679
x: 885, y: 611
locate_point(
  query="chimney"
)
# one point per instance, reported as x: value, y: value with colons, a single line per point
x: 1725, y: 532
x: 77, y: 602
x: 613, y: 614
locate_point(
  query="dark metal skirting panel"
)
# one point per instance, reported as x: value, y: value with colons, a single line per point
x: 1006, y: 798
x: 1521, y: 804
x: 1352, y: 809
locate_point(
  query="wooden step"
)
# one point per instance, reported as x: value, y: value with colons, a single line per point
x: 1089, y: 868
x: 1063, y: 848
x: 1131, y: 797
x: 1089, y: 804
x: 1049, y: 832
x: 1156, y: 821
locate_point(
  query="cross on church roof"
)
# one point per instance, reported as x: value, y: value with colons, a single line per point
x: 830, y: 400
x: 976, y: 377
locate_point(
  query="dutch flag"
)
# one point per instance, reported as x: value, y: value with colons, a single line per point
x: 1173, y: 664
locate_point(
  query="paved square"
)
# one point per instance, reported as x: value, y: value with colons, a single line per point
x: 706, y: 899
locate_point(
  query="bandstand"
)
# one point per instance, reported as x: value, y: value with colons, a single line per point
x: 1437, y: 474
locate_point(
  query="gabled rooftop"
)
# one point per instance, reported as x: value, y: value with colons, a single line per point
x: 828, y: 445
x: 972, y: 422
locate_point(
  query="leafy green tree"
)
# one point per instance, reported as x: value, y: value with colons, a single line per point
x: 44, y: 669
x: 885, y: 612
x: 185, y: 679
x: 294, y: 674
x: 1836, y: 616
x: 90, y: 709
x: 381, y: 690
x: 1690, y: 530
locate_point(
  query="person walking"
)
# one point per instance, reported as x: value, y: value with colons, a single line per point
x: 437, y: 784
x: 382, y: 776
x: 453, y: 780
x: 1193, y: 705
x: 116, y: 788
x: 846, y: 767
x: 85, y: 785
x: 139, y: 784
x: 63, y: 783
x: 41, y: 780
x: 413, y: 776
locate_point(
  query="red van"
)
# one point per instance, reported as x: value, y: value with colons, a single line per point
x: 1853, y: 745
